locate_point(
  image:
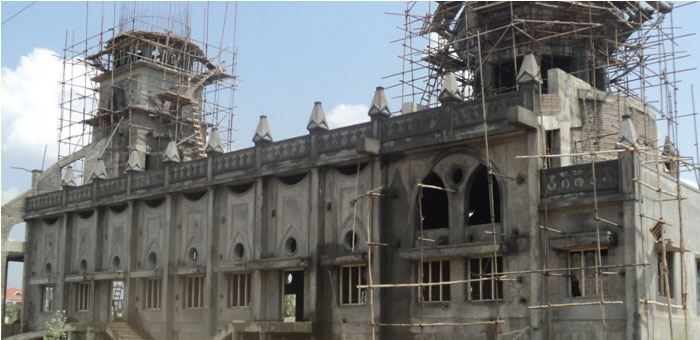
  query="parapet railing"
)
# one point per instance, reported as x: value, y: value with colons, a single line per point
x: 460, y: 120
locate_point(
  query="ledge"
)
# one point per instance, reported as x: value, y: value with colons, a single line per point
x: 41, y: 281
x: 116, y: 275
x: 190, y: 270
x: 355, y: 258
x: 582, y: 240
x: 76, y: 278
x: 279, y: 263
x: 450, y: 251
x: 145, y: 273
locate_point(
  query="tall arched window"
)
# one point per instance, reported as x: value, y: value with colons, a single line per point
x: 434, y: 202
x: 479, y: 211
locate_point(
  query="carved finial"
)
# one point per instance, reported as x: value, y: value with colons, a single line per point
x: 171, y: 153
x: 100, y: 171
x: 450, y: 90
x: 68, y: 178
x: 379, y: 106
x: 262, y: 132
x: 628, y: 135
x: 317, y: 121
x: 214, y: 143
x: 136, y: 161
x: 529, y: 71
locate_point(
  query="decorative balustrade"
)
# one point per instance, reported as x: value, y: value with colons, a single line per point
x: 78, y: 194
x: 237, y: 160
x: 413, y: 124
x: 418, y: 126
x: 148, y: 179
x: 293, y: 148
x: 44, y: 201
x: 188, y: 170
x: 111, y: 187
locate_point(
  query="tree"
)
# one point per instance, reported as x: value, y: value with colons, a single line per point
x: 56, y: 328
x: 290, y: 305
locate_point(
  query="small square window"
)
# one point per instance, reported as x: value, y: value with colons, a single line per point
x: 350, y: 278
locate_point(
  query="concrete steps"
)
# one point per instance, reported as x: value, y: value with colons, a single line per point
x: 122, y: 331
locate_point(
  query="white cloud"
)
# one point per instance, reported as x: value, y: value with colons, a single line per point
x: 345, y: 114
x: 30, y: 106
x: 9, y: 194
x: 689, y: 182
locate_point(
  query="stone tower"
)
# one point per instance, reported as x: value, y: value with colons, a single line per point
x: 150, y: 94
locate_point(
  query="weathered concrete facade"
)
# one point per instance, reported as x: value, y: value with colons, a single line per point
x: 213, y: 247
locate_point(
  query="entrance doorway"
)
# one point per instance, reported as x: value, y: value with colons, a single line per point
x: 117, y: 300
x: 293, y: 299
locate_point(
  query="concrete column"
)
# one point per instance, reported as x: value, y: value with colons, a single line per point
x: 627, y: 162
x: 129, y: 283
x: 313, y: 269
x: 210, y: 282
x: 168, y: 286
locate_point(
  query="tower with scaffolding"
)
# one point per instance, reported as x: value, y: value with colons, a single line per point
x: 130, y: 90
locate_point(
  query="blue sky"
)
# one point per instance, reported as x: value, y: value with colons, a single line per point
x: 290, y: 55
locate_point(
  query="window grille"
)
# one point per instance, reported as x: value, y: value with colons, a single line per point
x: 483, y: 285
x: 350, y: 277
x: 435, y: 272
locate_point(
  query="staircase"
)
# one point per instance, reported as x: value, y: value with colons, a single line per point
x: 122, y: 331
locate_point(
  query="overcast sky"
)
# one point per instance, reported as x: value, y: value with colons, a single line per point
x: 290, y: 55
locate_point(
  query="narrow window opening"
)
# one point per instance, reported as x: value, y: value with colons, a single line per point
x: 153, y: 287
x: 483, y: 285
x: 479, y: 211
x: 585, y: 281
x: 434, y: 203
x: 194, y: 292
x: 293, y: 303
x: 238, y: 290
x: 83, y: 297
x: 351, y: 277
x: 435, y: 272
x: 662, y: 275
x: 47, y: 299
x: 117, y: 310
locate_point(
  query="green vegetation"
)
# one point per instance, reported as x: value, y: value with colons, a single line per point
x: 11, y: 313
x: 56, y: 328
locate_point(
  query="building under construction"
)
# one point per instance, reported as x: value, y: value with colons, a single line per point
x: 521, y: 193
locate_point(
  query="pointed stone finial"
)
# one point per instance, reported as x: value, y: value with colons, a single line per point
x: 171, y: 153
x: 450, y: 90
x: 136, y: 161
x: 214, y: 143
x: 628, y: 135
x: 669, y: 148
x: 317, y: 121
x: 262, y: 132
x: 68, y: 178
x: 379, y: 106
x: 529, y: 71
x: 100, y: 171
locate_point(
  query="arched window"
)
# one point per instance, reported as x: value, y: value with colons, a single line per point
x: 479, y: 211
x: 436, y: 213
